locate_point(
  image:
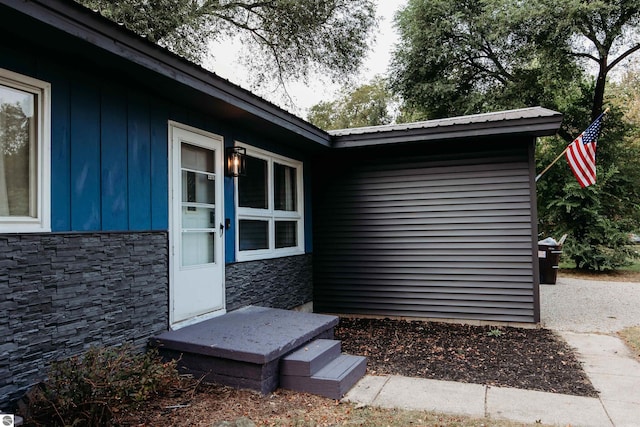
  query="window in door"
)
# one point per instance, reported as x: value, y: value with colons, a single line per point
x: 198, y: 205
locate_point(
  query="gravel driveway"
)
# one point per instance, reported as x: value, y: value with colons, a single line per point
x: 580, y: 305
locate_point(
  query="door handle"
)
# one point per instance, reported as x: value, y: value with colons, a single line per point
x: 221, y: 229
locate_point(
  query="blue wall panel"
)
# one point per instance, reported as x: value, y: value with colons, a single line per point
x: 113, y: 147
x: 229, y: 211
x: 308, y: 223
x: 139, y: 164
x: 85, y: 158
x: 159, y: 167
x: 60, y: 154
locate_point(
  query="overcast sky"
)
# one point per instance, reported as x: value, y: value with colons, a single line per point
x: 303, y: 95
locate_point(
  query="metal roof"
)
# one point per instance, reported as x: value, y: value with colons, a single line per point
x: 533, y: 121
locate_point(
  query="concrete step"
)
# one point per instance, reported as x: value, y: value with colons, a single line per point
x: 243, y: 348
x: 310, y: 358
x: 332, y: 381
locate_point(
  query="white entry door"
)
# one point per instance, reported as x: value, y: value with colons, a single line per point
x: 196, y: 233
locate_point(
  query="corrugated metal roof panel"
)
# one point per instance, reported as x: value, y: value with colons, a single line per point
x: 534, y: 121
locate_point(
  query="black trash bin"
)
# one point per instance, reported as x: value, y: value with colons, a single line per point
x: 548, y: 259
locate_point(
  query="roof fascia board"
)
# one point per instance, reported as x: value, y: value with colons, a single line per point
x: 96, y: 30
x: 539, y: 126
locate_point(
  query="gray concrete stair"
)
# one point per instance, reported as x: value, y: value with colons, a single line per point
x: 309, y: 359
x: 243, y: 348
x: 320, y: 368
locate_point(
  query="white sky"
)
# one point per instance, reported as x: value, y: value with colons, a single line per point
x: 304, y: 96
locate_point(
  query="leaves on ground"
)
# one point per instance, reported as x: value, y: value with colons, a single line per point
x: 533, y: 359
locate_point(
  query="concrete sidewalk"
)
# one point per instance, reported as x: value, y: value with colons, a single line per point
x: 606, y: 360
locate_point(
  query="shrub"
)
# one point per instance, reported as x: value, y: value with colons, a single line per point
x: 87, y: 390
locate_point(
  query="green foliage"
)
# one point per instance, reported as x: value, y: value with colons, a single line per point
x: 468, y: 56
x: 597, y: 240
x: 367, y: 105
x: 495, y: 332
x: 284, y: 38
x: 88, y: 390
x: 463, y: 57
x: 597, y: 218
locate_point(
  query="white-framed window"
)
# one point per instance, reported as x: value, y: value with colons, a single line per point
x: 269, y: 207
x: 25, y: 135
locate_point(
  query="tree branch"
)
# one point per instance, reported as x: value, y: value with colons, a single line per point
x: 622, y: 57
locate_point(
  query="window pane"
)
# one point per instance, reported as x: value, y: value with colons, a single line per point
x: 198, y: 187
x: 198, y: 217
x: 252, y: 187
x: 198, y: 248
x: 17, y: 153
x: 253, y: 235
x: 197, y: 158
x: 284, y: 187
x: 286, y: 234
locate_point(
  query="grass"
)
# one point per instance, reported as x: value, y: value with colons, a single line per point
x: 631, y: 337
x: 635, y: 267
x: 349, y: 415
x: 629, y: 273
x: 566, y: 264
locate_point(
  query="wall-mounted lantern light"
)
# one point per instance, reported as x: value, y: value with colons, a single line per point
x: 236, y: 161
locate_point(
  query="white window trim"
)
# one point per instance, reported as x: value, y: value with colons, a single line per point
x: 42, y: 221
x: 270, y: 214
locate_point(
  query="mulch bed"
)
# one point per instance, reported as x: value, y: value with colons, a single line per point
x: 533, y: 359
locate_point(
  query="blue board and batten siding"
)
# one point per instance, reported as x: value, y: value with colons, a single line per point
x: 428, y: 237
x: 109, y: 154
x: 109, y: 158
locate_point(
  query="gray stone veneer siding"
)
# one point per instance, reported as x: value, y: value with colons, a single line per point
x: 62, y: 293
x: 277, y: 283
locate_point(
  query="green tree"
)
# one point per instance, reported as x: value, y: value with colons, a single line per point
x: 290, y: 38
x: 626, y: 95
x: 469, y: 56
x: 367, y: 105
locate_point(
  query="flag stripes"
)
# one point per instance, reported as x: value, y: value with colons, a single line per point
x: 581, y: 154
x: 582, y: 160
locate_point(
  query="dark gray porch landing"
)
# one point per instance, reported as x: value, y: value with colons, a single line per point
x: 243, y: 348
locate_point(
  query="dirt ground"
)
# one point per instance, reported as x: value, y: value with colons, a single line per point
x: 533, y: 359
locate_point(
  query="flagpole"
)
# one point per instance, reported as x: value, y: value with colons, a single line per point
x: 553, y: 163
x: 563, y: 153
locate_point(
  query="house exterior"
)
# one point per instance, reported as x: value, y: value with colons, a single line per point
x: 118, y: 220
x: 432, y: 220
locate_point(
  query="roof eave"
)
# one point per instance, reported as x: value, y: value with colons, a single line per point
x: 543, y: 125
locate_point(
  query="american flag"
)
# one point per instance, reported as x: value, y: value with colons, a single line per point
x: 581, y: 153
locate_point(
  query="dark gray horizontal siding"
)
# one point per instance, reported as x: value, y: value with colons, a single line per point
x: 431, y: 239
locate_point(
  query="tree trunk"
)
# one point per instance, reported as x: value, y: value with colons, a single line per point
x: 598, y: 96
